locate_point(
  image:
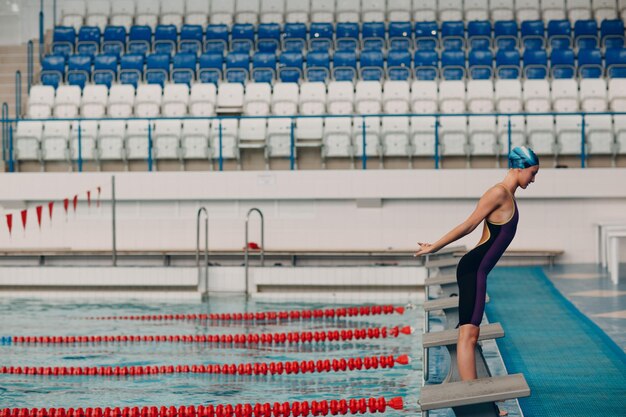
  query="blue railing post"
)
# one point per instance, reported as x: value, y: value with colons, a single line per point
x: 29, y: 75
x: 5, y: 130
x: 582, y: 142
x: 221, y: 156
x: 436, y: 142
x: 292, y: 146
x: 11, y: 166
x: 363, y: 153
x: 18, y: 94
x: 509, y: 138
x: 149, y: 145
x: 80, y: 148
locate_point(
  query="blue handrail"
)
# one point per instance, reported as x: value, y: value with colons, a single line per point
x: 5, y: 130
x: 29, y: 77
x: 41, y: 33
x: 18, y: 94
x: 11, y: 166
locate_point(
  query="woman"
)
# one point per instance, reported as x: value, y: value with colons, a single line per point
x: 499, y: 210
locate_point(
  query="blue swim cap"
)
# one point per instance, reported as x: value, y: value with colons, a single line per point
x: 522, y: 157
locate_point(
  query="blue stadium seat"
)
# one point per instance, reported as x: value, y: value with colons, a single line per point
x: 426, y: 35
x: 191, y: 39
x: 508, y: 65
x: 157, y: 69
x: 131, y: 69
x: 590, y: 63
x: 78, y: 70
x: 242, y: 38
x: 453, y: 65
x: 184, y: 68
x: 63, y: 41
x: 535, y: 64
x: 264, y: 67
x: 612, y: 34
x: 237, y: 67
x: 294, y: 37
x: 586, y: 34
x: 562, y: 63
x: 347, y: 36
x: 533, y: 34
x: 479, y: 34
x: 399, y: 65
x: 344, y: 66
x: 139, y: 40
x: 88, y: 41
x: 105, y: 69
x: 165, y: 39
x: 114, y: 40
x: 559, y: 34
x: 373, y: 35
x: 480, y: 62
x: 210, y: 67
x: 268, y: 37
x: 505, y: 34
x: 426, y: 63
x: 320, y: 36
x: 400, y: 35
x: 216, y: 38
x: 452, y: 36
x: 615, y: 62
x: 52, y: 70
x: 372, y: 65
x: 290, y: 67
x: 318, y: 66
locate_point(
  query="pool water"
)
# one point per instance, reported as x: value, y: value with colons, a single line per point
x: 56, y: 318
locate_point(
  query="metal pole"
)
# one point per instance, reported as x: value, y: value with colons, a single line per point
x: 221, y: 157
x: 5, y: 129
x: 11, y: 166
x: 150, y: 145
x: 509, y: 140
x: 29, y: 78
x: 114, y: 251
x: 292, y: 148
x: 247, y: 241
x: 582, y: 143
x: 206, y: 248
x: 80, y: 148
x: 41, y: 23
x: 437, y: 142
x: 363, y: 144
x: 18, y: 94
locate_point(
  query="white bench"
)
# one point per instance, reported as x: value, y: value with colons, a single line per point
x: 608, y: 237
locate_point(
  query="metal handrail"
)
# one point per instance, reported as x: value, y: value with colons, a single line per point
x: 41, y: 29
x: 5, y: 130
x: 246, y: 248
x: 18, y: 94
x: 30, y: 67
x: 206, y: 248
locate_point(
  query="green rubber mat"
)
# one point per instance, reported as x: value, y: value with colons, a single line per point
x: 572, y: 367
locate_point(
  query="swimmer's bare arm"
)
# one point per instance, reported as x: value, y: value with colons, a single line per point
x: 490, y: 201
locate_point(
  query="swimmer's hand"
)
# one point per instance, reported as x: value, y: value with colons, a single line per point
x: 425, y: 249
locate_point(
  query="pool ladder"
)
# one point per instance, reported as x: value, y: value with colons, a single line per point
x: 205, y: 294
x: 246, y: 247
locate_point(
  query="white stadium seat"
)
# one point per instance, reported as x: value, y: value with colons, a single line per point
x: 476, y: 10
x: 568, y: 134
x: 564, y: 95
x: 202, y: 99
x: 605, y: 10
x: 247, y: 11
x: 195, y: 139
x: 508, y: 96
x: 272, y: 11
x: 175, y: 100
x: 230, y: 133
x: 172, y: 13
x: 593, y: 95
x: 370, y: 127
x: 372, y: 10
x: 424, y: 97
x: 122, y: 13
x: 40, y: 101
x: 398, y: 10
x: 166, y: 139
x: 285, y: 99
x: 337, y: 137
x: 527, y: 10
x: 621, y: 9
x: 312, y: 102
x: 578, y: 10
x: 537, y: 96
x: 453, y: 135
x: 297, y: 11
x: 599, y: 134
x: 502, y: 10
x: 452, y: 96
x: 424, y: 10
x: 517, y: 132
x: 395, y: 136
x: 148, y: 100
x: 88, y: 140
x: 348, y: 11
x: 540, y: 134
x: 340, y: 97
x: 368, y: 97
x: 423, y: 135
x: 222, y: 12
x: 450, y: 10
x: 279, y: 137
x: 28, y: 140
x: 617, y: 94
x: 111, y: 140
x: 54, y: 143
x: 552, y: 10
x: 480, y: 96
x: 94, y: 102
x: 257, y: 99
x: 121, y: 100
x: 98, y: 12
x: 322, y: 11
x: 147, y: 13
x: 620, y: 133
x: 197, y: 12
x: 230, y: 97
x: 73, y: 13
x: 482, y: 133
x: 67, y: 101
x: 137, y: 133
x: 396, y: 97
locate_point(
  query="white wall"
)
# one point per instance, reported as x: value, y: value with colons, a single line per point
x: 309, y: 209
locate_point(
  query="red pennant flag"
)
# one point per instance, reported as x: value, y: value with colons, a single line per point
x: 10, y: 222
x: 98, y: 203
x: 66, y: 204
x: 89, y: 198
x: 24, y: 214
x: 39, y: 210
x: 50, y: 206
x: 75, y: 202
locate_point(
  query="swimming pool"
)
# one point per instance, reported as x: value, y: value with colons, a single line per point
x: 57, y: 318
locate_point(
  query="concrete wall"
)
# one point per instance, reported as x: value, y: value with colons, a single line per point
x: 309, y: 209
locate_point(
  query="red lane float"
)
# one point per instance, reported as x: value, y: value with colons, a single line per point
x: 269, y: 315
x: 252, y: 338
x: 276, y: 409
x: 273, y: 368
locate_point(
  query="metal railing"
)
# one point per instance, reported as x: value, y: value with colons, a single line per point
x: 206, y: 249
x: 363, y: 154
x: 246, y: 247
x: 18, y: 94
x: 5, y: 129
x: 30, y: 66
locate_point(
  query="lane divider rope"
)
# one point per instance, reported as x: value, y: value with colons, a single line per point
x: 252, y: 338
x: 269, y: 315
x: 273, y: 368
x: 276, y: 409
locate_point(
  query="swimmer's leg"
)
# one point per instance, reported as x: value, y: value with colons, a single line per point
x: 465, y: 351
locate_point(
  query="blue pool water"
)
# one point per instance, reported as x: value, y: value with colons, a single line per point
x: 37, y: 317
